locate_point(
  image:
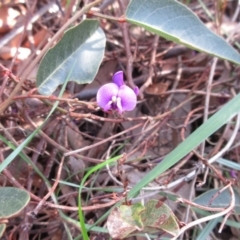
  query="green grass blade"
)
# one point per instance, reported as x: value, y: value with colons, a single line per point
x: 205, y: 232
x: 26, y: 159
x: 229, y: 163
x: 80, y: 212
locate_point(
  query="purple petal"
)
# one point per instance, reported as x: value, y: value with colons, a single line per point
x: 136, y: 90
x: 118, y: 78
x: 105, y: 94
x: 233, y: 174
x: 107, y: 106
x: 128, y: 98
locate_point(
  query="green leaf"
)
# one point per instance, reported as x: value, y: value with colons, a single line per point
x: 2, y: 229
x: 12, y: 201
x: 221, y: 200
x: 174, y: 21
x: 158, y: 215
x: 154, y: 217
x: 137, y: 208
x: 121, y: 222
x: 84, y: 44
x: 227, y: 112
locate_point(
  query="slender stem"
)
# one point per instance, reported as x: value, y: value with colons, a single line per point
x: 152, y: 65
x: 97, y: 14
x: 127, y: 44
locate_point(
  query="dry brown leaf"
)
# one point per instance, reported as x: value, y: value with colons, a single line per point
x: 8, y: 18
x: 157, y: 88
x: 75, y: 138
x: 38, y: 38
x: 76, y: 166
x: 58, y: 235
x: 67, y: 190
x: 8, y: 51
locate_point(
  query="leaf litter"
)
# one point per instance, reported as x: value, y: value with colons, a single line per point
x: 179, y: 76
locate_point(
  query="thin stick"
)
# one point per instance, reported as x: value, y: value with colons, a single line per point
x: 51, y: 191
x: 101, y: 142
x: 211, y: 209
x: 152, y: 64
x: 84, y: 208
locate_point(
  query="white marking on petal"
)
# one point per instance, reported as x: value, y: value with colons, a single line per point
x: 119, y: 105
x: 114, y: 99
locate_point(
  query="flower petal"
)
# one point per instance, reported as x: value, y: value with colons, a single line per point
x: 128, y: 98
x: 105, y: 94
x: 107, y: 106
x: 119, y: 105
x: 118, y: 78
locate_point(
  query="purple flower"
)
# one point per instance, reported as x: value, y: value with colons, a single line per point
x: 117, y: 95
x: 233, y: 174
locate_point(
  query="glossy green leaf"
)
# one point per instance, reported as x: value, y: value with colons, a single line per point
x: 154, y: 217
x: 214, y: 199
x: 174, y: 21
x: 2, y: 229
x: 12, y: 201
x: 83, y: 44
